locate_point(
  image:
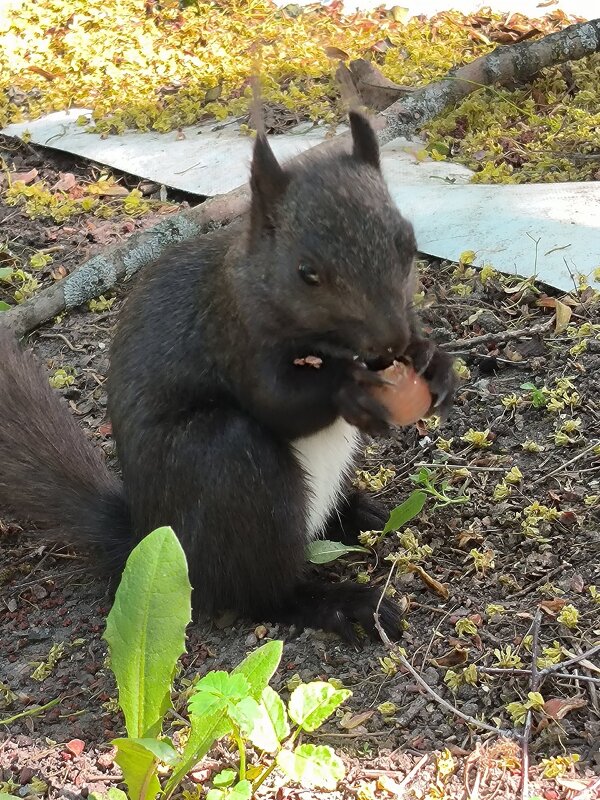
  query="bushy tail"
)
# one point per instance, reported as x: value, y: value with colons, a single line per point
x: 50, y: 474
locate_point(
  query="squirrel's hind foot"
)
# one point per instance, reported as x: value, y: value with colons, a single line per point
x: 339, y: 607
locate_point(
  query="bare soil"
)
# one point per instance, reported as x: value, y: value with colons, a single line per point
x: 52, y: 605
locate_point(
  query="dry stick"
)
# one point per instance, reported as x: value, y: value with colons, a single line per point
x: 569, y: 662
x: 423, y: 683
x: 503, y: 336
x: 534, y: 684
x: 507, y: 64
x: 568, y: 463
x: 104, y: 270
x: 504, y: 65
x: 511, y: 671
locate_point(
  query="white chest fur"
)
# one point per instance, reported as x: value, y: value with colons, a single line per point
x: 326, y: 458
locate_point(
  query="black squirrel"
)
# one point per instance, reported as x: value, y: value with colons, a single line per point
x: 219, y: 433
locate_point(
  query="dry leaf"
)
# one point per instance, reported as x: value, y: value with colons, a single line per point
x: 430, y: 582
x: 584, y: 662
x: 558, y: 708
x: 335, y: 52
x: 50, y: 76
x: 563, y: 312
x: 577, y: 583
x: 350, y: 721
x: 58, y: 273
x: 65, y: 182
x: 553, y: 607
x: 467, y: 538
x: 453, y: 658
x: 24, y: 177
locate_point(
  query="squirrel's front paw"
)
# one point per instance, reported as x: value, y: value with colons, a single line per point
x: 437, y: 368
x: 356, y: 403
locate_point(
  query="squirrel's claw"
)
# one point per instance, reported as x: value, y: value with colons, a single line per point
x: 436, y: 367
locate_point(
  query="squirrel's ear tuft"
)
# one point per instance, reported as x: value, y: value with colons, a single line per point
x: 366, y: 146
x: 268, y: 182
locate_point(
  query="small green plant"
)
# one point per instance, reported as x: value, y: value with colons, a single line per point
x: 61, y: 379
x: 146, y: 636
x: 322, y: 551
x: 427, y: 480
x: 507, y: 658
x: 518, y: 710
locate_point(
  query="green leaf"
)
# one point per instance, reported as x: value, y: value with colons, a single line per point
x: 241, y: 791
x: 138, y: 759
x: 322, y: 551
x: 4, y: 307
x: 112, y: 794
x: 406, y: 511
x: 259, y: 667
x: 277, y: 714
x: 205, y: 731
x: 220, y: 688
x: 5, y: 275
x: 312, y: 765
x: 265, y: 723
x: 224, y: 778
x: 311, y: 703
x: 8, y: 796
x: 146, y: 630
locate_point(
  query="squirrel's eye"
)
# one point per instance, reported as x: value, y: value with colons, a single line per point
x: 309, y: 275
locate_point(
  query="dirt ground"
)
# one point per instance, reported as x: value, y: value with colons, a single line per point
x: 499, y: 549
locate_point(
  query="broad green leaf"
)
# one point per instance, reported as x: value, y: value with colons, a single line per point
x: 312, y: 703
x: 224, y: 778
x: 5, y: 274
x: 406, y: 511
x: 259, y: 667
x: 138, y: 759
x: 218, y: 688
x: 8, y: 796
x: 146, y: 630
x: 4, y: 307
x: 256, y: 723
x: 312, y: 765
x: 241, y: 791
x: 205, y: 731
x: 277, y: 713
x: 322, y: 551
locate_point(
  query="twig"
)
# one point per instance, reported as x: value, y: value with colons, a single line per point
x: 534, y: 684
x: 423, y: 683
x: 568, y: 463
x: 445, y: 465
x: 65, y: 340
x: 575, y: 660
x: 503, y: 336
x: 521, y: 673
x: 538, y: 582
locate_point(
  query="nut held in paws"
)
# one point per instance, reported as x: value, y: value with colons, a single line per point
x: 408, y: 398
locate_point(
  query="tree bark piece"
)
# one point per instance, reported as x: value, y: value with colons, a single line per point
x: 505, y: 65
x: 102, y: 271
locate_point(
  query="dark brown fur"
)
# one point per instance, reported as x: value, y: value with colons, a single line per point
x: 205, y: 399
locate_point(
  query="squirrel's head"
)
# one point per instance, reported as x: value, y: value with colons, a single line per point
x: 332, y: 254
